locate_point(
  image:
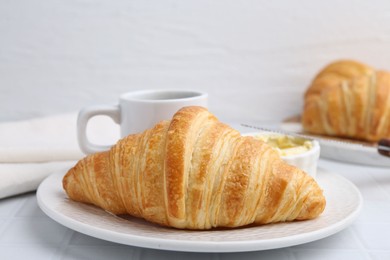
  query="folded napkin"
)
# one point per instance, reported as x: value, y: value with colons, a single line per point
x: 30, y: 150
x: 25, y: 177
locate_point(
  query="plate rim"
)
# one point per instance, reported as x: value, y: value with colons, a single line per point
x: 197, y: 246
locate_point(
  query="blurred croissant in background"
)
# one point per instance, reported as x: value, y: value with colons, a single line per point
x: 194, y: 172
x: 348, y: 99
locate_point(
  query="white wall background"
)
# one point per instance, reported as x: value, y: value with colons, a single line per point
x: 254, y: 57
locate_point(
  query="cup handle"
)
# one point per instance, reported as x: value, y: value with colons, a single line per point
x: 87, y: 113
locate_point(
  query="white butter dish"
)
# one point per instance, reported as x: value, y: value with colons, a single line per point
x: 304, y: 155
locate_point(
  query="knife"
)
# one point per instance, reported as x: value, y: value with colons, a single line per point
x: 383, y: 146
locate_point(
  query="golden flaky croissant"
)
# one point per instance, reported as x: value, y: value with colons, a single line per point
x: 195, y: 172
x: 348, y: 99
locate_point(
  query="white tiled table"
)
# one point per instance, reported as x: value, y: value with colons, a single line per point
x: 27, y: 233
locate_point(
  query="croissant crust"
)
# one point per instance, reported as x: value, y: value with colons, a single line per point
x: 194, y: 172
x: 348, y: 99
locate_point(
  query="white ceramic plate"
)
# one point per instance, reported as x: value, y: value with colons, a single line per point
x: 95, y: 222
x: 342, y: 151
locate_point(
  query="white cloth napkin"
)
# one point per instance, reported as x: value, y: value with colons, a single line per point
x: 25, y: 177
x: 30, y: 150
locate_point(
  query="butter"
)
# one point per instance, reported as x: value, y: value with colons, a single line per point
x: 286, y: 145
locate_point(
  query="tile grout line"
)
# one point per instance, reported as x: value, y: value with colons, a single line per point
x: 59, y: 253
x: 291, y: 254
x: 216, y: 256
x: 378, y: 184
x: 12, y: 216
x: 383, y: 189
x: 359, y: 242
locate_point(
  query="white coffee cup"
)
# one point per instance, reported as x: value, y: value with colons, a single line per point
x: 137, y: 111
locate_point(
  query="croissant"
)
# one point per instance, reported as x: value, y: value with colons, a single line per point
x: 348, y: 99
x: 194, y: 172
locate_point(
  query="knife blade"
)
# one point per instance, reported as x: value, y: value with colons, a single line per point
x: 314, y: 137
x: 383, y: 146
x: 309, y: 136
